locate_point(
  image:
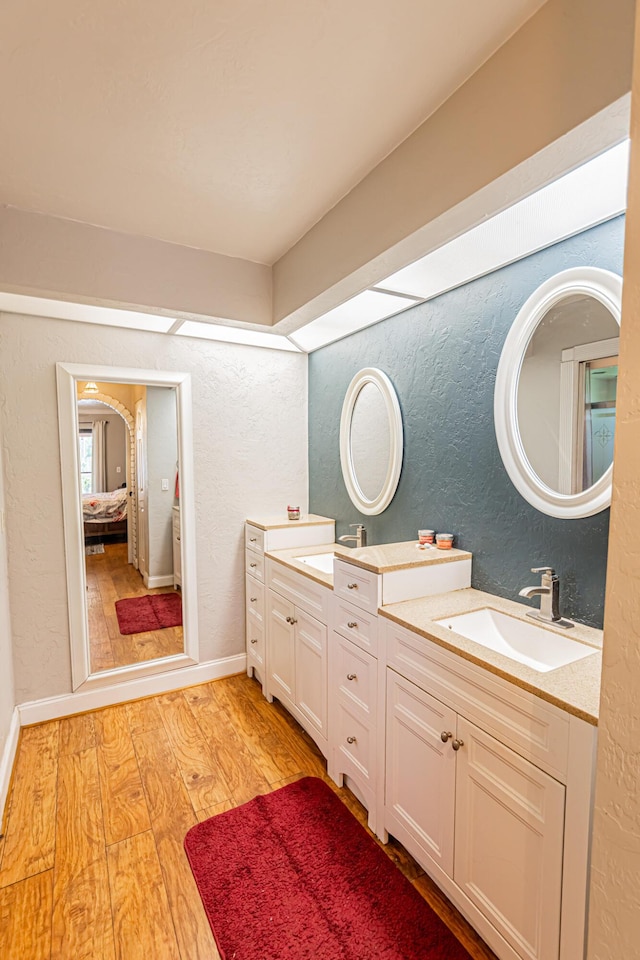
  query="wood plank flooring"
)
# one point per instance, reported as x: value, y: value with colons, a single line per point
x: 93, y: 865
x: 111, y: 578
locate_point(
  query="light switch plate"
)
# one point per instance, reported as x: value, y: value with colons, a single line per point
x: 165, y: 484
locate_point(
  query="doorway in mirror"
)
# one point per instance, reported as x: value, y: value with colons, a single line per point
x: 127, y: 457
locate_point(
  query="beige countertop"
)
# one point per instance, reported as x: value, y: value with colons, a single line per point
x: 280, y: 521
x: 386, y: 557
x: 574, y: 687
x: 287, y: 557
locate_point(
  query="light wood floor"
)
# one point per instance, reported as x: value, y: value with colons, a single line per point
x: 111, y: 578
x: 92, y: 865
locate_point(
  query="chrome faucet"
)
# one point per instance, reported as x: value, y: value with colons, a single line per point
x: 359, y: 538
x: 549, y: 593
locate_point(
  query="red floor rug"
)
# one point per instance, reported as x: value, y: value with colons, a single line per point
x: 152, y: 612
x: 293, y: 876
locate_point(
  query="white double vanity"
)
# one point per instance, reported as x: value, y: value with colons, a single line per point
x: 467, y: 728
x: 482, y: 766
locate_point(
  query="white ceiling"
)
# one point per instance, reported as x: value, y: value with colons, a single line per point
x: 228, y: 125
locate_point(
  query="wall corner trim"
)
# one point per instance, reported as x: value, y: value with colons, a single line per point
x: 53, y: 708
x: 7, y: 761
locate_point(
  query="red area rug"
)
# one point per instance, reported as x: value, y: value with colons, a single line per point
x: 293, y: 876
x: 151, y: 612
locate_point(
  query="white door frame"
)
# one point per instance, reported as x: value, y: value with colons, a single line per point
x: 67, y: 375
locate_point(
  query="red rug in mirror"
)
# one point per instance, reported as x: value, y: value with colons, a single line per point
x: 293, y: 876
x: 151, y: 612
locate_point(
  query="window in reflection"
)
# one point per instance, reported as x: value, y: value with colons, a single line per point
x: 598, y: 412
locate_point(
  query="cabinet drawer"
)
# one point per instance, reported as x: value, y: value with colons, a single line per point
x: 354, y: 675
x: 254, y: 565
x: 305, y: 593
x: 357, y: 625
x: 533, y: 728
x: 356, y: 585
x: 254, y: 597
x: 255, y: 640
x: 355, y: 743
x: 253, y: 538
x: 176, y: 523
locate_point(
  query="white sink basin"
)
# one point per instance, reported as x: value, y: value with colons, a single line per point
x: 520, y: 640
x: 319, y: 561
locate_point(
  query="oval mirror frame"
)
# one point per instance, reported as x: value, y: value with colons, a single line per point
x: 396, y: 441
x: 602, y: 285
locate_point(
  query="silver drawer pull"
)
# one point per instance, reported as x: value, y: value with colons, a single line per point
x: 252, y: 539
x: 352, y: 625
x: 351, y: 740
x: 352, y: 676
x: 293, y: 620
x: 254, y: 640
x: 253, y: 599
x: 456, y: 744
x: 289, y: 620
x: 352, y: 586
x: 444, y: 736
x: 253, y: 564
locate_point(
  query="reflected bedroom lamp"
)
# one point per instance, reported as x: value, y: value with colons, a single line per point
x: 91, y: 387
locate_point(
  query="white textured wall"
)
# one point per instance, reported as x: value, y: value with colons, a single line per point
x: 250, y: 451
x: 162, y: 454
x: 614, y: 909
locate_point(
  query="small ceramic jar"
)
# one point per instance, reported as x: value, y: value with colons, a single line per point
x: 444, y: 541
x: 426, y: 536
x: 293, y: 513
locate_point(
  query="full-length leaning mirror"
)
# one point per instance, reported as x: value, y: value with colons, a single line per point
x: 126, y: 457
x: 555, y: 394
x: 371, y: 441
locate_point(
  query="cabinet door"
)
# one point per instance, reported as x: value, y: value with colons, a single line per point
x: 509, y: 838
x: 420, y: 771
x: 311, y: 669
x: 280, y: 656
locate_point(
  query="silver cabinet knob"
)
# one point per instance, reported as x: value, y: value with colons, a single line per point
x: 352, y: 676
x: 352, y: 586
x: 293, y: 620
x: 289, y: 620
x: 352, y: 625
x: 254, y: 640
x: 253, y: 599
x: 351, y: 739
x: 456, y: 744
x: 444, y: 736
x: 252, y: 539
x: 253, y: 564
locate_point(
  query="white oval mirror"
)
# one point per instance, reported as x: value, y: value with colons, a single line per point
x: 371, y: 441
x: 555, y: 394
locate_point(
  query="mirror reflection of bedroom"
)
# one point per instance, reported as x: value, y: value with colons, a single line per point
x: 128, y: 456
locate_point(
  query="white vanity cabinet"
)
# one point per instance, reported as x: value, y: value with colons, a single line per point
x: 354, y: 692
x: 482, y: 788
x: 388, y: 573
x: 297, y: 615
x: 272, y: 533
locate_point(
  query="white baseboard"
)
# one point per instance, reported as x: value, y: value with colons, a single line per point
x: 152, y: 582
x: 81, y: 701
x: 7, y: 761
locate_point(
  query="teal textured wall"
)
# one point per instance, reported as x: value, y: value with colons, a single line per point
x: 442, y: 358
